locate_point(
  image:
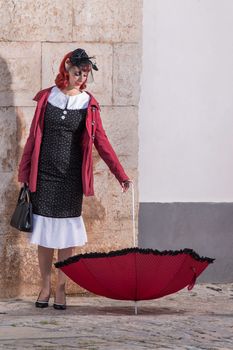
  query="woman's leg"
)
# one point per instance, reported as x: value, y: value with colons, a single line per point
x: 61, y: 278
x: 45, y: 258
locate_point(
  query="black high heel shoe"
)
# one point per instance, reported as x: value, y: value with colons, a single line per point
x: 42, y: 303
x: 58, y: 306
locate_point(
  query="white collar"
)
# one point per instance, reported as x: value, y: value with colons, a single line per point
x: 59, y: 99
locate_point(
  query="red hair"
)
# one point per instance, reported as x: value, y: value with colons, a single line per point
x: 62, y: 79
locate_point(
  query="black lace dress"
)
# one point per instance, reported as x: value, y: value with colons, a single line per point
x: 59, y: 191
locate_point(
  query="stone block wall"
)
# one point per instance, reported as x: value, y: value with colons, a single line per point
x: 34, y: 38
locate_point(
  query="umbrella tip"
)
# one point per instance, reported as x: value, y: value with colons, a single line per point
x: 135, y: 308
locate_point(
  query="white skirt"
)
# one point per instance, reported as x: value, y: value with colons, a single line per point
x: 58, y: 232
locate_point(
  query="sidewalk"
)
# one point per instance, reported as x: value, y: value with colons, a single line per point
x: 197, y: 319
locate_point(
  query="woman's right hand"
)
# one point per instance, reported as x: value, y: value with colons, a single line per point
x: 22, y: 183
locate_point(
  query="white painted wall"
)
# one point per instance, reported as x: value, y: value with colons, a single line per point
x: 186, y: 105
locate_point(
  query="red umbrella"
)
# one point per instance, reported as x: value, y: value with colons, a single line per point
x: 135, y: 273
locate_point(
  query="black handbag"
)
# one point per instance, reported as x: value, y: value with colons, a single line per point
x: 22, y: 216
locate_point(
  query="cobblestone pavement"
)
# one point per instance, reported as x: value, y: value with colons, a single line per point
x: 197, y: 319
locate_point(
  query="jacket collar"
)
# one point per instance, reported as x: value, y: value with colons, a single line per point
x: 42, y: 94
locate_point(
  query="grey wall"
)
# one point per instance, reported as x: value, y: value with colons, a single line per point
x: 204, y: 227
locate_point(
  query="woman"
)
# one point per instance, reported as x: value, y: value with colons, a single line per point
x: 57, y: 166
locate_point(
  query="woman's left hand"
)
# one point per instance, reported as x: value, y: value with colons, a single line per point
x: 125, y: 185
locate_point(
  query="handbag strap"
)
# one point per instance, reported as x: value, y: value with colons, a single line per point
x: 24, y: 193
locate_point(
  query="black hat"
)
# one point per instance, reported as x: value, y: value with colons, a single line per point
x: 80, y: 57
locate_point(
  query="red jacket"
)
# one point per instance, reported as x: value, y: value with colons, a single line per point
x: 93, y: 133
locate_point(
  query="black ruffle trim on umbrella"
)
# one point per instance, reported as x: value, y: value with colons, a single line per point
x: 125, y: 251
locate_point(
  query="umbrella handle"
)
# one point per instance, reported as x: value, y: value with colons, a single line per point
x: 133, y: 217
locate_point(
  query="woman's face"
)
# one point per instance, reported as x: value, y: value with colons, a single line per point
x: 77, y: 76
